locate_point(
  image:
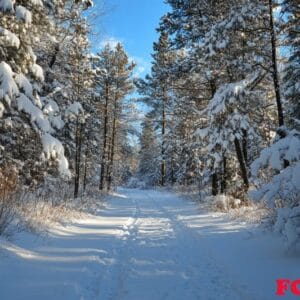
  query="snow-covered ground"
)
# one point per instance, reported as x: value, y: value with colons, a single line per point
x: 146, y: 245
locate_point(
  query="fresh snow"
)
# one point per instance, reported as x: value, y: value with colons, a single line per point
x: 23, y: 14
x: 74, y: 110
x: 7, y: 5
x: 36, y: 115
x: 24, y: 84
x: 37, y: 72
x: 285, y: 184
x: 53, y: 149
x: 8, y: 87
x: 146, y: 245
x: 7, y: 38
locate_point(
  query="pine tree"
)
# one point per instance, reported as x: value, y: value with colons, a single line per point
x: 113, y: 84
x: 21, y: 106
x: 149, y: 170
x: 292, y: 69
x: 156, y: 90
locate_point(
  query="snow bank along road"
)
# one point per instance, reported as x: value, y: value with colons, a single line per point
x: 145, y: 245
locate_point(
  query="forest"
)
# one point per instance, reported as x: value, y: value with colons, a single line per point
x: 217, y: 115
x: 223, y: 98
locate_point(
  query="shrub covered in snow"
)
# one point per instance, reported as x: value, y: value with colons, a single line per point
x: 288, y: 224
x: 279, y: 186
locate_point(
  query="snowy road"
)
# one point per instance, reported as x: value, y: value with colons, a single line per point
x: 144, y: 245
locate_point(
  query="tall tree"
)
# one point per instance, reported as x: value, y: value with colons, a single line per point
x: 113, y: 84
x: 291, y: 11
x: 148, y: 169
x: 21, y: 107
x: 156, y: 90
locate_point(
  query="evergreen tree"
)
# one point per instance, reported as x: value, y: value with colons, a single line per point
x: 291, y: 10
x: 156, y: 90
x: 113, y: 84
x: 149, y: 170
x: 21, y: 107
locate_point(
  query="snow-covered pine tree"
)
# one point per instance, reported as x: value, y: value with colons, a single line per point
x: 22, y: 109
x: 123, y: 86
x: 227, y: 45
x: 276, y: 171
x: 149, y: 166
x: 113, y: 83
x: 156, y: 90
x: 291, y: 78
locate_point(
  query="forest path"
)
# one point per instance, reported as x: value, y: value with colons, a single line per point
x: 145, y: 244
x: 161, y: 257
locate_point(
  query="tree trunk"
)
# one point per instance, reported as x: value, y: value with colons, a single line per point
x: 112, y: 150
x: 78, y: 146
x: 214, y: 185
x: 85, y: 169
x: 76, y: 177
x: 241, y: 161
x: 224, y: 176
x: 275, y: 66
x: 214, y: 177
x: 104, y: 148
x: 163, y: 161
x: 54, y: 56
x: 245, y: 146
x: 173, y: 180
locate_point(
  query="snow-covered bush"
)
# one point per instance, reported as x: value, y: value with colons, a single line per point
x: 282, y: 161
x: 288, y: 225
x: 278, y: 170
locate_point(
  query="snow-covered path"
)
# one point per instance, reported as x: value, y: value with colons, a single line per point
x: 145, y: 245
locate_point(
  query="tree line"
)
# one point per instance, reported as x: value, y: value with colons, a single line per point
x: 224, y: 92
x: 63, y: 110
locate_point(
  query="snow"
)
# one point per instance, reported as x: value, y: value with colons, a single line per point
x: 36, y: 2
x: 75, y: 108
x: 288, y: 225
x: 24, y: 84
x: 285, y: 148
x: 286, y: 183
x: 54, y: 149
x: 37, y: 72
x: 229, y: 94
x: 7, y: 5
x: 8, y: 87
x: 23, y: 14
x: 37, y: 117
x: 146, y: 245
x: 51, y: 107
x: 8, y: 38
x: 2, y: 109
x: 56, y: 122
x: 282, y: 186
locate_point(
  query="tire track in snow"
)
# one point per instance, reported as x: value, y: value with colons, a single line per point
x: 216, y: 271
x: 130, y: 233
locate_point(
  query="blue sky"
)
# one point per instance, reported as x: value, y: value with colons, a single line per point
x: 132, y: 22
